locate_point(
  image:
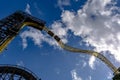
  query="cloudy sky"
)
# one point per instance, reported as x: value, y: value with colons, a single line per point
x: 85, y: 24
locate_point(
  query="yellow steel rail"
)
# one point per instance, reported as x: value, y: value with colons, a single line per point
x: 64, y: 46
x: 77, y: 50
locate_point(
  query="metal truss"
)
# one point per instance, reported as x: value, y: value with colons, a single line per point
x: 14, y: 72
x: 11, y: 25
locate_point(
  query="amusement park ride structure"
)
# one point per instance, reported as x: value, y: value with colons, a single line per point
x: 15, y: 72
x: 11, y: 25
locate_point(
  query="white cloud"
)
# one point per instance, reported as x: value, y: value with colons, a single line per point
x: 110, y: 75
x: 75, y: 75
x: 34, y: 34
x: 38, y: 37
x: 38, y: 9
x: 90, y: 78
x: 62, y: 3
x: 98, y: 25
x: 91, y: 62
x: 81, y: 63
x: 20, y: 63
x: 28, y: 9
x: 59, y: 30
x: 84, y: 64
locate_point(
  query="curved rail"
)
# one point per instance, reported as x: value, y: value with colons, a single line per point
x: 23, y: 19
x: 77, y: 50
x: 73, y: 49
x: 17, y: 70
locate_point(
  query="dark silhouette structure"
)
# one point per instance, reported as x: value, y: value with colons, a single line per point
x: 14, y: 72
x: 11, y: 25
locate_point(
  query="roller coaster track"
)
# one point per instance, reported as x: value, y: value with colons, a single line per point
x: 19, y: 19
x: 15, y: 72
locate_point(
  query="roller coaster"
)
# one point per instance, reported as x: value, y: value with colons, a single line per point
x: 15, y: 72
x: 12, y: 24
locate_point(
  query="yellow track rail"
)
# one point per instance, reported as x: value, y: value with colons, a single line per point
x: 64, y: 46
x: 76, y: 50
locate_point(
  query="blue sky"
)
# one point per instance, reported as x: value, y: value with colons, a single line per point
x: 86, y: 24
